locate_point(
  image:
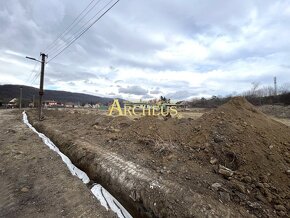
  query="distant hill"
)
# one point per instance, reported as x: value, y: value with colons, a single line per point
x: 8, y: 92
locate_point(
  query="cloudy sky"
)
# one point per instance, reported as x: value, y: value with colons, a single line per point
x: 144, y: 49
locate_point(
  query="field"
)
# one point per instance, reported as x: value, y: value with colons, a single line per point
x: 232, y: 161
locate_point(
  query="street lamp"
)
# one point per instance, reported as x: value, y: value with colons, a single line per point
x: 34, y: 59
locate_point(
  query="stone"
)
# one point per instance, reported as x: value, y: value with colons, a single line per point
x: 238, y: 186
x: 247, y: 179
x: 225, y: 196
x: 254, y: 205
x: 260, y: 185
x: 213, y: 160
x: 225, y: 171
x: 216, y: 186
x: 24, y: 189
x: 288, y: 172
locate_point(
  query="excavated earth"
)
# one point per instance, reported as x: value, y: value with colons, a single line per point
x: 233, y: 161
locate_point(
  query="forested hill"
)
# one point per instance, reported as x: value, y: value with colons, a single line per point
x: 8, y: 92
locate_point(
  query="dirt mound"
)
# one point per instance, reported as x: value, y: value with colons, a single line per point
x: 237, y: 136
x: 245, y: 140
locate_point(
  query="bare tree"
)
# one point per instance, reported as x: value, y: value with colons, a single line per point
x: 284, y: 88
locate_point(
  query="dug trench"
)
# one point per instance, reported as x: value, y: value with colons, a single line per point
x: 142, y: 192
x: 233, y: 161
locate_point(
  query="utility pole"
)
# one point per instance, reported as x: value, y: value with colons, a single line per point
x: 20, y: 98
x: 275, y: 86
x: 33, y: 101
x: 43, y: 56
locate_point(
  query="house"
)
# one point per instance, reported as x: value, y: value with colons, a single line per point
x: 49, y: 103
x: 184, y: 105
x: 87, y: 106
x: 13, y: 103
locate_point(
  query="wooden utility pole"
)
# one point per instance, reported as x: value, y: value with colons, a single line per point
x: 41, y: 92
x: 33, y: 102
x: 20, y: 98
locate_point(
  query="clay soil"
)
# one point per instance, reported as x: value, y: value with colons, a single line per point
x: 232, y: 161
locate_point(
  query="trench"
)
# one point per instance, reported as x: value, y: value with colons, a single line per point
x: 102, y: 195
x: 142, y: 191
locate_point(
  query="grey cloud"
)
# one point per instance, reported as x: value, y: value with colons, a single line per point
x: 147, y: 96
x: 166, y: 83
x: 135, y: 90
x: 155, y: 91
x: 65, y: 75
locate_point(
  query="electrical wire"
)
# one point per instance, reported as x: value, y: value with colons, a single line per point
x: 71, y: 26
x: 80, y: 30
x: 85, y: 30
x: 73, y: 36
x: 36, y: 76
x: 31, y: 72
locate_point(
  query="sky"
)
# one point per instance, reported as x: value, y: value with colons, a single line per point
x: 144, y: 49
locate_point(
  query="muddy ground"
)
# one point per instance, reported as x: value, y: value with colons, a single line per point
x: 34, y: 182
x: 231, y: 161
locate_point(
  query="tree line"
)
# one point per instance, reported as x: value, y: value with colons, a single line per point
x: 257, y: 95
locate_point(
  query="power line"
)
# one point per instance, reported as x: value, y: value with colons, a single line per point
x: 80, y: 30
x: 50, y: 46
x: 85, y: 30
x: 36, y: 76
x: 31, y: 72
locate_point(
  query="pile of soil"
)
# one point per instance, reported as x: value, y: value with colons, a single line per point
x: 255, y: 147
x: 234, y: 154
x: 237, y: 136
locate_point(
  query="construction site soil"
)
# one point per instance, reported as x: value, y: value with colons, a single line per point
x: 232, y: 161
